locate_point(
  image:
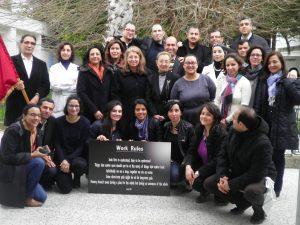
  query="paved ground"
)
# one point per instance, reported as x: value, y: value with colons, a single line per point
x: 80, y: 207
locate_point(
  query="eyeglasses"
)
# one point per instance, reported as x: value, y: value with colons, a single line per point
x: 29, y: 42
x: 73, y: 106
x: 130, y: 30
x: 255, y: 55
x: 34, y: 115
x: 190, y: 63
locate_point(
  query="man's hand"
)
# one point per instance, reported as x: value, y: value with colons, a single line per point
x: 37, y: 153
x: 98, y: 115
x: 223, y: 185
x: 20, y: 85
x: 189, y: 174
x: 49, y: 161
x: 159, y: 117
x: 34, y: 100
x: 102, y: 138
x: 65, y: 166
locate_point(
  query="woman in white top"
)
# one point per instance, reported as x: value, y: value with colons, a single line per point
x: 234, y: 90
x: 214, y: 70
x: 63, y: 77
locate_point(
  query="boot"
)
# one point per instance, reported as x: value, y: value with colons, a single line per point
x: 258, y: 215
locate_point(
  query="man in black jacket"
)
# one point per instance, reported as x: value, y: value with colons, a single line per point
x: 192, y: 46
x: 243, y: 165
x: 34, y: 78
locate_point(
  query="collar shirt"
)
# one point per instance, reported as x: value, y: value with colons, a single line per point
x: 247, y: 38
x: 162, y: 78
x: 27, y: 64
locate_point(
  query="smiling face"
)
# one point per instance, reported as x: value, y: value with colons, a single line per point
x: 66, y: 52
x: 193, y: 35
x: 215, y: 38
x: 232, y: 67
x: 133, y: 60
x: 175, y: 113
x: 206, y: 118
x: 163, y: 63
x: 27, y: 46
x: 129, y: 32
x: 190, y: 65
x: 256, y: 57
x: 115, y: 51
x: 116, y: 113
x: 140, y: 112
x: 95, y: 57
x: 46, y: 110
x: 32, y: 118
x: 171, y: 45
x: 73, y: 108
x: 274, y: 64
x: 218, y: 54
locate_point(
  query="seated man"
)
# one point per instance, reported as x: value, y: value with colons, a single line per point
x: 47, y: 137
x: 21, y: 162
x: 243, y: 165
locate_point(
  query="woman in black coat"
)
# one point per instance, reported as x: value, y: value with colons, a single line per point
x: 94, y: 84
x: 144, y: 127
x: 179, y: 132
x: 21, y: 162
x: 275, y: 100
x: 201, y: 158
x: 131, y: 83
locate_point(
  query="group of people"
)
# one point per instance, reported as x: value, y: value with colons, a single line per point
x: 228, y: 113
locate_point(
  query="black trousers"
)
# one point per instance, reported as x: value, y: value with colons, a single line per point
x: 64, y: 181
x: 252, y: 195
x: 279, y: 161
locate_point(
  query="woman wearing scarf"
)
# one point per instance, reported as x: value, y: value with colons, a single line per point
x: 143, y: 127
x: 255, y: 59
x: 235, y: 91
x: 63, y: 77
x: 275, y: 100
x: 94, y: 84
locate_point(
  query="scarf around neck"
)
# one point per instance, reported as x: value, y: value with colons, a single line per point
x: 252, y: 73
x: 272, y: 82
x: 142, y: 128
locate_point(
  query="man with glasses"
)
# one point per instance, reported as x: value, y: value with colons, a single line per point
x: 34, y: 78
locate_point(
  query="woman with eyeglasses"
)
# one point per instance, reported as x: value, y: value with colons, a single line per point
x: 255, y: 59
x: 72, y: 133
x: 193, y: 89
x: 21, y: 162
x: 94, y: 84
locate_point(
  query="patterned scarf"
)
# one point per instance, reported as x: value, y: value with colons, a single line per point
x: 226, y: 96
x: 142, y: 128
x: 272, y: 81
x: 252, y: 73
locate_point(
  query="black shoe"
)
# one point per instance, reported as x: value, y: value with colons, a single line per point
x: 220, y: 201
x: 277, y: 193
x: 237, y: 211
x: 76, y: 182
x: 202, y: 198
x: 258, y: 216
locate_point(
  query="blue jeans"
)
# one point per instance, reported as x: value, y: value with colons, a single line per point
x: 176, y: 172
x: 34, y: 170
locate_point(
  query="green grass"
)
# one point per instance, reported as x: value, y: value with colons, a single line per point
x: 2, y: 110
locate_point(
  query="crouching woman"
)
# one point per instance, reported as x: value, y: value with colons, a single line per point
x: 21, y: 162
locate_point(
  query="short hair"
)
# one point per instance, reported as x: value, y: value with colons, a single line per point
x: 27, y: 107
x: 27, y: 35
x: 216, y: 30
x: 87, y: 55
x: 127, y: 23
x: 241, y: 42
x: 157, y: 24
x: 59, y: 49
x: 246, y: 18
x: 72, y: 97
x: 141, y: 101
x: 248, y: 117
x: 173, y: 102
x: 193, y: 26
x: 237, y: 58
x: 142, y: 63
x: 281, y: 59
x: 163, y: 53
x: 263, y: 53
x: 191, y: 55
x: 42, y: 100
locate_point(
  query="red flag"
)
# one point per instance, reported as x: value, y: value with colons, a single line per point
x: 8, y: 74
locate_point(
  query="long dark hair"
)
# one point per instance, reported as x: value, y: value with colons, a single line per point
x: 107, y: 123
x: 59, y: 49
x: 212, y: 109
x: 263, y: 54
x: 237, y: 58
x: 266, y: 65
x: 108, y: 59
x: 87, y: 55
x: 73, y: 97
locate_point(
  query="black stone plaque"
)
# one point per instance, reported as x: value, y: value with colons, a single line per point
x: 129, y: 167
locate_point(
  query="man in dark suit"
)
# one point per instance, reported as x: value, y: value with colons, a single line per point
x: 161, y: 83
x: 245, y: 28
x: 192, y: 46
x: 34, y: 78
x: 170, y: 46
